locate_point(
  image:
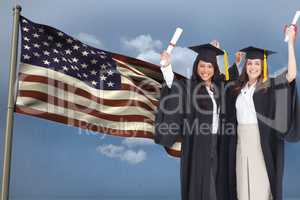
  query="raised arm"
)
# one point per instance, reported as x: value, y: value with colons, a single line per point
x: 292, y: 65
x: 167, y: 71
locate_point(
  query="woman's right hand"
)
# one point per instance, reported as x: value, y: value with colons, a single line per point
x: 166, y: 58
x: 238, y: 57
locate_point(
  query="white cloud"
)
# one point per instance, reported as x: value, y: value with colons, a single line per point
x: 89, y: 39
x: 149, y: 56
x: 133, y: 142
x: 149, y: 50
x: 110, y: 150
x: 134, y: 157
x: 120, y: 152
x: 142, y: 43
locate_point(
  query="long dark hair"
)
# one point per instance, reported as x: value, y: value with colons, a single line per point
x: 244, y: 78
x: 216, y: 81
x: 196, y: 77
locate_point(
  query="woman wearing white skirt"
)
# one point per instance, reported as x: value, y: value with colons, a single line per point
x: 253, y: 106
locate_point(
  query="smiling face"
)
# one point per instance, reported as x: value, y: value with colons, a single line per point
x: 253, y: 69
x: 205, y: 70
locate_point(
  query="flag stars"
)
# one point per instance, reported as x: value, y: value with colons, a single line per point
x: 54, y: 49
x: 60, y: 34
x: 110, y: 72
x: 103, y: 78
x: 69, y: 40
x: 94, y: 83
x: 25, y: 29
x: 75, y: 60
x: 59, y: 45
x: 85, y: 53
x: 36, y: 45
x: 36, y: 54
x: 46, y: 44
x: 56, y: 60
x: 103, y: 67
x: 26, y: 57
x: 68, y: 51
x: 46, y: 53
x: 25, y: 21
x: 46, y: 62
x: 35, y: 35
x: 94, y: 61
x: 50, y: 38
x: 110, y: 84
x: 84, y: 66
x: 75, y: 47
x: 26, y: 47
x: 93, y: 72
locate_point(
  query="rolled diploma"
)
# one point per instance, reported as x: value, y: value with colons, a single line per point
x: 295, y: 19
x: 173, y: 42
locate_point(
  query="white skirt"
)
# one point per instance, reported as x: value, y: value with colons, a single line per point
x: 252, y: 177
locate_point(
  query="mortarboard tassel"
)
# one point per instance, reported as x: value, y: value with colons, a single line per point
x: 226, y: 65
x: 265, y: 66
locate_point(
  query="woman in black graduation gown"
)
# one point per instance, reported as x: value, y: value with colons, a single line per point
x: 189, y: 112
x: 265, y: 113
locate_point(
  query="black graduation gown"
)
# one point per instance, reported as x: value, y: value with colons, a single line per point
x: 199, y: 152
x: 278, y: 114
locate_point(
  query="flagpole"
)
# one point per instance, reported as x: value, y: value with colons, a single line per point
x: 10, y: 104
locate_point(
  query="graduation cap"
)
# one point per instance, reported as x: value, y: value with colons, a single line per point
x: 257, y: 53
x: 209, y: 53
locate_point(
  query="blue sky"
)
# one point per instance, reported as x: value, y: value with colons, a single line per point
x: 54, y: 160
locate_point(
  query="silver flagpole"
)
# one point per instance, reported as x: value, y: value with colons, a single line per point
x: 10, y: 104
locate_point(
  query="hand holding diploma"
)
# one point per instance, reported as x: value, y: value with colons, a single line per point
x: 239, y: 56
x: 293, y: 24
x: 166, y: 58
x: 291, y: 33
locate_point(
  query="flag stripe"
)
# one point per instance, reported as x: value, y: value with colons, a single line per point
x: 131, y: 91
x: 148, y: 85
x: 42, y: 83
x: 132, y: 77
x: 148, y: 72
x: 172, y: 152
x: 81, y: 124
x: 47, y: 98
x: 42, y: 106
x: 134, y: 61
x: 84, y: 101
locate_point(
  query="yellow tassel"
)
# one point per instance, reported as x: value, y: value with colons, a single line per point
x: 265, y: 66
x: 226, y: 65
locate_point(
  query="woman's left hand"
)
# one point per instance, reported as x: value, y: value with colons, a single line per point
x: 291, y: 31
x: 215, y: 43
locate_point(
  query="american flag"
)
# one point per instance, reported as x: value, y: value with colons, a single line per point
x: 64, y: 80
